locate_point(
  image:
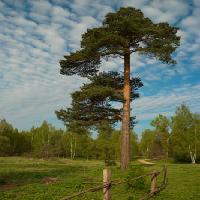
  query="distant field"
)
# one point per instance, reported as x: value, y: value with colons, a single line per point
x: 23, y: 179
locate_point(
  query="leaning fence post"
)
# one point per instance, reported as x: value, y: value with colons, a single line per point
x: 107, y: 183
x: 153, y: 188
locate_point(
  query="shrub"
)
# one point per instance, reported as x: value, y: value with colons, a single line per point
x: 133, y: 172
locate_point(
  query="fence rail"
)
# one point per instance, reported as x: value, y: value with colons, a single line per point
x: 108, y: 184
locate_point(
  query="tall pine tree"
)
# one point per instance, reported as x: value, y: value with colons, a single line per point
x: 122, y: 33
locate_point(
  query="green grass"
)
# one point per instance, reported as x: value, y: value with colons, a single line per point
x: 21, y: 179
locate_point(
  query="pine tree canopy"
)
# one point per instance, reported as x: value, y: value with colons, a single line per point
x: 93, y: 104
x: 123, y: 32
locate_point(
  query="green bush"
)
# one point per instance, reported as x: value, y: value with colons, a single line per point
x: 133, y: 172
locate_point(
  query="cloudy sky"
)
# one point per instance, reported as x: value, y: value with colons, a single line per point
x: 34, y: 36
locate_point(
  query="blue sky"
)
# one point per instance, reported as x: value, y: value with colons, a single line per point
x: 34, y: 36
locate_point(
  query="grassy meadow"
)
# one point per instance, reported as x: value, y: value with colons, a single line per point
x: 27, y: 179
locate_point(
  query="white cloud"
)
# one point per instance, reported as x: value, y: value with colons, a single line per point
x: 161, y: 10
x: 33, y: 39
x: 147, y: 107
x: 37, y: 99
x: 76, y: 29
x: 59, y: 11
x: 20, y: 21
x: 135, y: 3
x: 52, y: 37
x: 43, y: 7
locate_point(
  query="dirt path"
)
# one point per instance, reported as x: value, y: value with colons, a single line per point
x: 145, y: 162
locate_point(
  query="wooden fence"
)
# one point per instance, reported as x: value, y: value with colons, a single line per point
x: 108, y: 184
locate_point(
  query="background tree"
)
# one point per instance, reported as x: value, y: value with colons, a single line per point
x: 6, y: 138
x: 185, y: 139
x: 122, y: 33
x: 5, y: 147
x: 176, y: 138
x: 134, y: 143
x: 104, y: 143
x: 46, y: 141
x: 77, y: 134
x: 162, y: 125
x: 13, y: 142
x: 147, y: 144
x: 155, y: 143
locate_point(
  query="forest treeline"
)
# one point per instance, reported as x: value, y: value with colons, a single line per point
x: 177, y: 137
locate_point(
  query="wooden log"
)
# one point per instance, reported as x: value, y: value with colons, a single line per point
x: 107, y: 183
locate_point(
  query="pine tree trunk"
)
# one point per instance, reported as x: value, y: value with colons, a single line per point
x: 125, y: 138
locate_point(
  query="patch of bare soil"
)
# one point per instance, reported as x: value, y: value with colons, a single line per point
x: 49, y: 180
x: 8, y: 186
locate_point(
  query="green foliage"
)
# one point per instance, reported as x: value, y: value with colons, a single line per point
x: 93, y: 104
x: 155, y: 143
x: 104, y: 143
x: 46, y: 141
x: 12, y: 142
x: 161, y: 123
x: 122, y: 32
x: 185, y: 134
x: 134, y: 142
x: 162, y: 126
x: 148, y: 147
x: 177, y: 137
x: 133, y: 172
x: 5, y: 147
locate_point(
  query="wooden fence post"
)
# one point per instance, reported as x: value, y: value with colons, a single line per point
x: 153, y: 188
x: 107, y: 182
